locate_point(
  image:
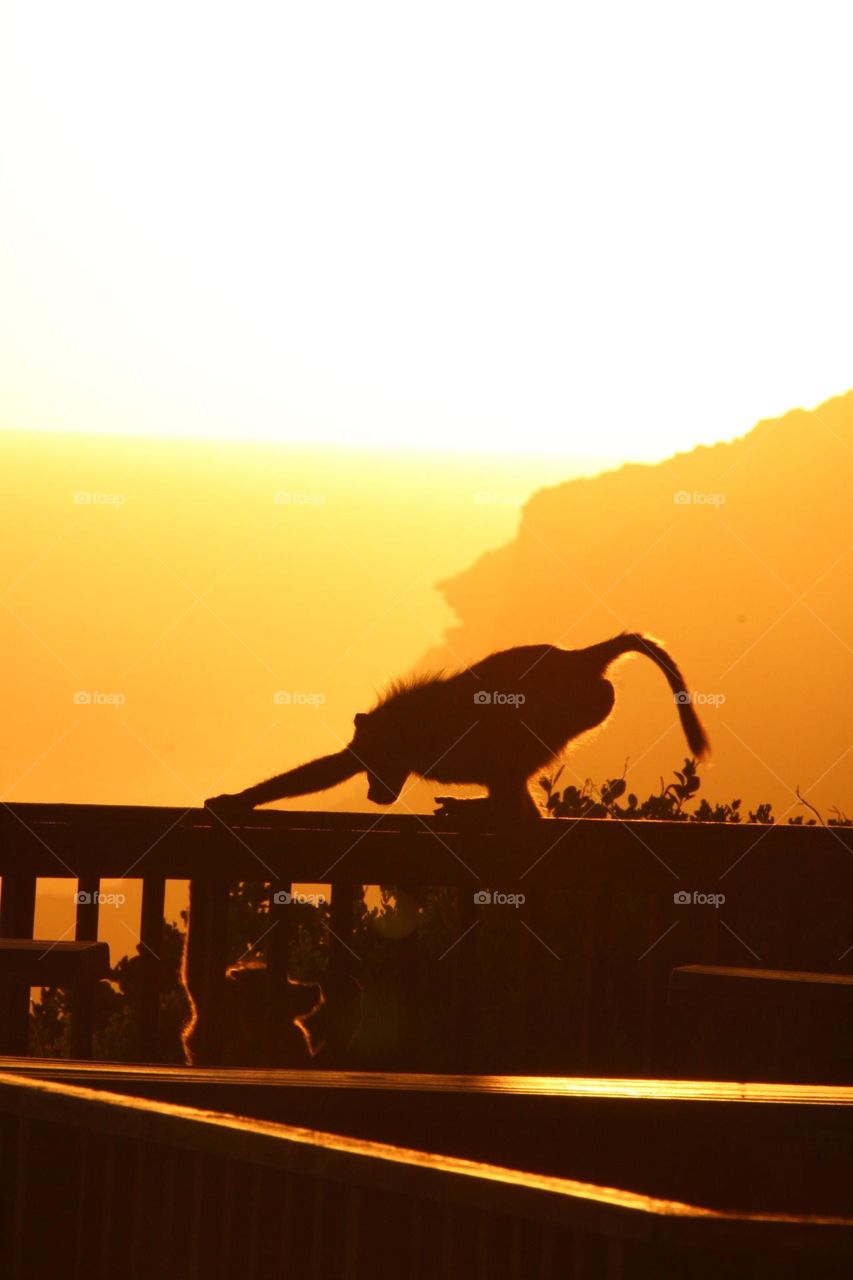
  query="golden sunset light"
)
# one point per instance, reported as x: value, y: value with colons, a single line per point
x: 426, y: 779
x: 605, y: 231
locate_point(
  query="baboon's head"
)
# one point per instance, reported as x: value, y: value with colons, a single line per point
x: 375, y: 747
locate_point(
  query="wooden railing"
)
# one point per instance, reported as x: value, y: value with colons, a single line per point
x: 98, y: 1185
x: 590, y: 950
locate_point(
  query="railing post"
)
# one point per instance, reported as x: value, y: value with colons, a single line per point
x: 340, y: 930
x: 83, y: 996
x: 339, y: 984
x: 17, y: 915
x: 151, y: 961
x: 462, y: 960
x: 204, y: 965
x: 409, y: 977
x: 278, y: 999
x: 588, y: 941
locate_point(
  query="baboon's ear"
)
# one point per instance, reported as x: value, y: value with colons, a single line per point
x: 358, y: 719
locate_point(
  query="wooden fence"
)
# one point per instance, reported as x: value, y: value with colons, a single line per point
x: 571, y: 980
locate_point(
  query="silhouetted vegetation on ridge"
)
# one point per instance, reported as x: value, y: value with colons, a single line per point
x: 668, y: 804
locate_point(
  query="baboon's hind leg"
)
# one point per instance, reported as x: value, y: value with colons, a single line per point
x: 503, y: 806
x: 512, y: 802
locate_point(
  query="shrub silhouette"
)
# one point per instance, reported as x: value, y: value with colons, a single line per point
x: 591, y: 801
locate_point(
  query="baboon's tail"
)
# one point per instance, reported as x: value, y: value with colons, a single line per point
x: 631, y: 642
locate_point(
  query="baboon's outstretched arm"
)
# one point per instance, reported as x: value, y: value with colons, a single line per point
x: 317, y: 775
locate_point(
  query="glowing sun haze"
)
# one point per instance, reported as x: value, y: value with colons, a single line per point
x: 609, y: 229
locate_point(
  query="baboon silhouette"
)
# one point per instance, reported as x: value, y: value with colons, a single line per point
x: 332, y: 1026
x: 494, y: 724
x: 259, y: 1024
x: 252, y: 1035
x: 315, y: 1024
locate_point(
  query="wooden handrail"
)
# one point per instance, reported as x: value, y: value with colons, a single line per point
x: 78, y: 840
x: 604, y: 891
x: 132, y: 1186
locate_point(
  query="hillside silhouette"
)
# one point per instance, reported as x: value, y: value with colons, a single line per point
x: 737, y: 556
x: 201, y: 597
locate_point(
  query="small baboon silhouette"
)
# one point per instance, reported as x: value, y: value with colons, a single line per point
x: 315, y: 1023
x: 249, y: 1033
x: 267, y: 1024
x: 494, y: 724
x: 332, y: 1026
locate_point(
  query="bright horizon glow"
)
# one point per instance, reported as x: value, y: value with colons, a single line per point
x: 605, y: 231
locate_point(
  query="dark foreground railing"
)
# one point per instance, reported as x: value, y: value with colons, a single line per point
x: 753, y: 1147
x: 609, y: 909
x: 98, y: 1185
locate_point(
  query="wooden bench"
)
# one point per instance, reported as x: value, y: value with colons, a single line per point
x: 33, y: 962
x: 787, y: 1023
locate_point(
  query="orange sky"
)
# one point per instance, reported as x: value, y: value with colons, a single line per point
x: 183, y: 619
x: 575, y: 239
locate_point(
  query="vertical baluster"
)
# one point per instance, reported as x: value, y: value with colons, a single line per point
x: 340, y: 928
x: 408, y: 975
x: 352, y: 1222
x: 204, y: 964
x: 278, y: 1001
x: 522, y: 1033
x: 17, y: 915
x: 83, y: 997
x: 88, y: 910
x: 151, y: 961
x: 16, y: 1243
x: 654, y: 990
x: 339, y: 983
x: 588, y: 942
x: 462, y: 977
x: 197, y: 1221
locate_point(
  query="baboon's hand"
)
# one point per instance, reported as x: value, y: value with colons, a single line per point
x: 226, y: 804
x: 468, y: 812
x: 484, y: 813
